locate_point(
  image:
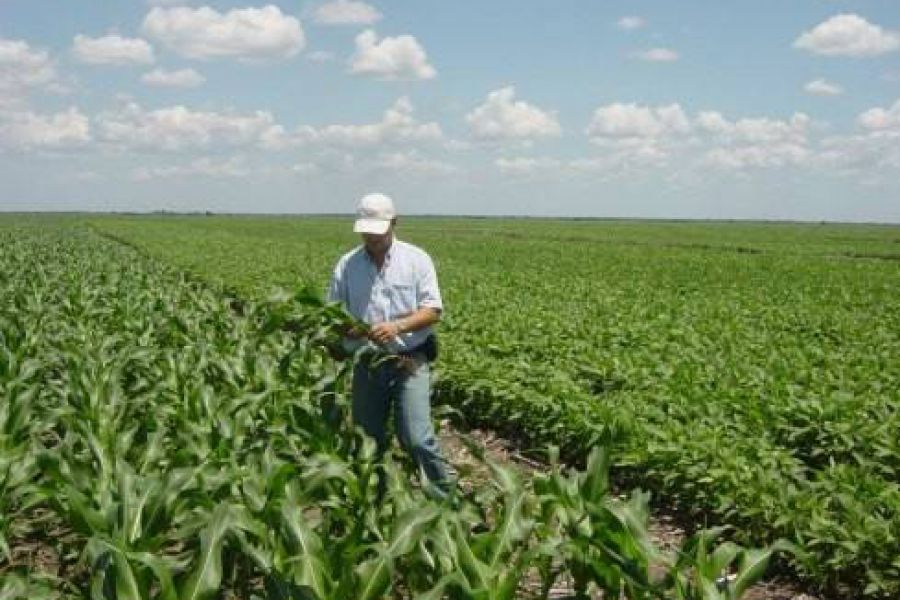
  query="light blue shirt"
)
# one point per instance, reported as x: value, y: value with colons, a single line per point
x: 406, y: 282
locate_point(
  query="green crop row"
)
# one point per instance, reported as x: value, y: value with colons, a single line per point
x: 747, y: 373
x: 155, y: 444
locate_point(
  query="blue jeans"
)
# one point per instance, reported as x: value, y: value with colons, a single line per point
x: 375, y: 389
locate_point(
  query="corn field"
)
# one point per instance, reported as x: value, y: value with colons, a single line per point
x: 160, y: 440
x: 744, y: 373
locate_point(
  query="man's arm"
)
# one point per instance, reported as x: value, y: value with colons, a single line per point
x: 382, y: 333
x: 336, y: 291
x: 428, y: 300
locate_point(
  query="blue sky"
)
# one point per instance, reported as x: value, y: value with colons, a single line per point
x: 758, y: 109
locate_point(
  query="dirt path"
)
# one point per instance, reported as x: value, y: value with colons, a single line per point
x: 665, y: 533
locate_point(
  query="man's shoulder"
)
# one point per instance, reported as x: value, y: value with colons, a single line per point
x: 412, y: 250
x: 350, y: 257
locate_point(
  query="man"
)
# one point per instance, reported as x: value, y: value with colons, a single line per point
x: 392, y: 286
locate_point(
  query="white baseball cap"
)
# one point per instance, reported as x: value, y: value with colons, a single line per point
x: 374, y: 214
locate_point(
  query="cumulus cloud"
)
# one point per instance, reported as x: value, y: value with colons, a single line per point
x: 204, y: 33
x: 632, y: 138
x: 656, y: 55
x: 757, y: 156
x: 631, y: 22
x: 820, y: 87
x: 23, y: 69
x: 639, y: 137
x: 861, y: 153
x: 112, y: 50
x: 754, y: 130
x: 502, y: 117
x: 182, y: 78
x: 400, y: 57
x: 879, y: 119
x: 633, y: 121
x: 398, y: 125
x: 28, y: 130
x: 202, y: 167
x: 411, y: 163
x: 346, y: 12
x: 621, y: 157
x: 179, y: 128
x: 848, y: 35
x: 523, y: 165
x: 871, y: 158
x: 758, y: 142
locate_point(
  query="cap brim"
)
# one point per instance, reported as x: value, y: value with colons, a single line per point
x: 375, y: 226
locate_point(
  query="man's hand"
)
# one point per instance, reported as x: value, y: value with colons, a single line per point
x: 356, y: 333
x: 382, y: 333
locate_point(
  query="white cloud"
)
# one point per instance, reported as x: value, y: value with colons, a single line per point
x: 405, y: 163
x: 631, y: 22
x: 203, y: 167
x: 502, y: 117
x: 633, y: 121
x: 337, y: 161
x: 626, y: 154
x: 756, y: 143
x: 400, y: 57
x: 23, y: 69
x: 624, y: 158
x: 182, y: 78
x: 640, y: 137
x: 755, y: 130
x: 522, y: 165
x: 757, y: 156
x: 346, y: 12
x: 28, y: 130
x: 112, y: 50
x: 204, y: 33
x: 820, y: 87
x: 634, y: 140
x: 860, y: 154
x: 881, y: 118
x: 848, y: 35
x: 179, y: 128
x: 657, y: 55
x: 398, y: 125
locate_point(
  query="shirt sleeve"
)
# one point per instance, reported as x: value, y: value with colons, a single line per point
x: 428, y: 294
x: 337, y: 287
